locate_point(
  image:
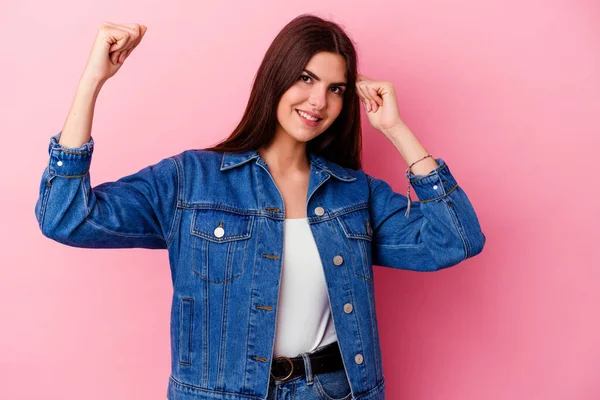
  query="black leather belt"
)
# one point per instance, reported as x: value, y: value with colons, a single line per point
x: 324, y: 359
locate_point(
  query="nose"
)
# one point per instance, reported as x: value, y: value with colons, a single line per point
x: 318, y: 99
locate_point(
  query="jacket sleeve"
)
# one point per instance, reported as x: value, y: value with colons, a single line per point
x: 137, y: 210
x: 440, y: 231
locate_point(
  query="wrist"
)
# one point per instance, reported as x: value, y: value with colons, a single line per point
x: 397, y: 131
x: 89, y: 81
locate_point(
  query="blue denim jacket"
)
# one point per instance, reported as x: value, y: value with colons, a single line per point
x: 221, y: 218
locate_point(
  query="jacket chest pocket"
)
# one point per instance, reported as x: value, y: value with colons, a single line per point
x: 219, y: 244
x: 356, y: 226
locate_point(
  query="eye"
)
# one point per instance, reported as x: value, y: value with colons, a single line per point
x: 339, y: 90
x: 336, y: 89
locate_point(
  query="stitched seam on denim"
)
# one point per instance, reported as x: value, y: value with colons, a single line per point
x: 84, y: 189
x: 206, y: 332
x: 324, y: 396
x: 171, y: 231
x: 357, y: 323
x: 365, y: 260
x: 224, y: 239
x: 313, y: 192
x: 459, y: 229
x: 189, y: 332
x: 353, y: 235
x: 401, y: 246
x: 218, y: 207
x: 43, y: 206
x: 375, y: 389
x: 352, y: 256
x: 349, y: 209
x: 374, y: 328
x: 255, y: 172
x: 79, y: 153
x: 369, y: 180
x: 348, y: 178
x: 68, y: 176
x: 204, y: 251
x: 201, y: 389
x: 224, y: 308
x: 439, y: 197
x: 261, y: 213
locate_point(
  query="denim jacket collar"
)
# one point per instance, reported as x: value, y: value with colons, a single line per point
x: 232, y: 160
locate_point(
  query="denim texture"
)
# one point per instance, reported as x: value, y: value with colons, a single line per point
x: 324, y: 386
x: 221, y: 219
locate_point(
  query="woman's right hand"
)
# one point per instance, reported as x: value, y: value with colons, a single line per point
x: 113, y: 45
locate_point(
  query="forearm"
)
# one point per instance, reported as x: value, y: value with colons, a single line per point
x: 412, y: 150
x: 77, y: 129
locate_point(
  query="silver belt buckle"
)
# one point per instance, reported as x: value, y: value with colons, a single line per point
x: 291, y: 370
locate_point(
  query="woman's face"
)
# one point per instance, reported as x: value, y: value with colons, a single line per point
x: 319, y: 91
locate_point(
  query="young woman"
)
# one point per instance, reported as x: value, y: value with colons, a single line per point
x: 271, y: 234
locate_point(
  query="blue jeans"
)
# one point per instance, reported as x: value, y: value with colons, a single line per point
x: 325, y: 386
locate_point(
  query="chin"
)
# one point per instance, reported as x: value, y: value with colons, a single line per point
x: 305, y: 137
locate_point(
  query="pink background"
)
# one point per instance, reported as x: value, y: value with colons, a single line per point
x: 504, y: 91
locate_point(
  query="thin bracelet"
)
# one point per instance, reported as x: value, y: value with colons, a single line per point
x: 407, y: 213
x: 408, y: 169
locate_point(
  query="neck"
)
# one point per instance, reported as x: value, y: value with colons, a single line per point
x: 285, y: 155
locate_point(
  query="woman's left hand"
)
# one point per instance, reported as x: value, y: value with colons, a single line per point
x: 381, y: 105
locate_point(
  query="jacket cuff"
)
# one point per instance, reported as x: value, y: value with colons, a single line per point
x: 435, y: 185
x: 69, y: 161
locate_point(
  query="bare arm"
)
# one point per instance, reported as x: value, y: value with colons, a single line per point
x: 112, y: 46
x: 78, y: 126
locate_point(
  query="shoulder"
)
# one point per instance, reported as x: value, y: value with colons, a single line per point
x: 194, y: 158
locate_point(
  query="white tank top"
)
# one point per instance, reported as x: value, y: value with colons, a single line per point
x: 304, y: 321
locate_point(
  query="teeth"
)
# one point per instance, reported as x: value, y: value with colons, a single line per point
x: 305, y: 115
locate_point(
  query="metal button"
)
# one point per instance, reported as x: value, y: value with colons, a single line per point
x: 369, y: 229
x: 338, y: 260
x: 59, y: 163
x: 348, y: 308
x: 435, y: 187
x: 319, y: 211
x: 219, y: 232
x: 358, y: 358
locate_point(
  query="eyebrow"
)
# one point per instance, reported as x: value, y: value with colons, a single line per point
x: 316, y: 78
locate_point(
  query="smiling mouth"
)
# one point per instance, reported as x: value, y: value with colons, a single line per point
x: 308, y: 117
x: 307, y: 121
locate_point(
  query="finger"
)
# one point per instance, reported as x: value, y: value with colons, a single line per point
x: 123, y: 40
x: 363, y: 96
x: 366, y: 104
x: 139, y: 32
x: 133, y: 29
x: 361, y: 92
x: 373, y: 93
x: 136, y: 42
x: 365, y: 90
x: 125, y: 55
x: 132, y: 32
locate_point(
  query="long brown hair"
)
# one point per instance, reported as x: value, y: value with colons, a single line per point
x: 280, y: 68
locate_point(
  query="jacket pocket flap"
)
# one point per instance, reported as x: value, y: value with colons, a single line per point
x: 221, y: 226
x: 357, y: 224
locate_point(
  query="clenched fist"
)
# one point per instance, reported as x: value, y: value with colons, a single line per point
x: 114, y: 43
